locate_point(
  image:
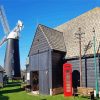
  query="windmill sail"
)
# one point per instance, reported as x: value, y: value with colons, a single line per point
x: 3, y: 40
x: 4, y: 21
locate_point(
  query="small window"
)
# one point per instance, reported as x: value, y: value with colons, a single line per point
x: 38, y: 40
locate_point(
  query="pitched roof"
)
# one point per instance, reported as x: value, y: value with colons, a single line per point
x: 86, y: 21
x: 55, y: 38
x: 52, y: 38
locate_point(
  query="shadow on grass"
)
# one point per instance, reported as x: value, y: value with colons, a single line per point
x: 12, y: 85
x: 88, y: 98
x: 79, y: 97
x: 43, y: 99
x: 4, y: 97
x: 11, y: 91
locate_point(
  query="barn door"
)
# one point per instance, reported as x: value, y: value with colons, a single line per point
x: 76, y: 78
x: 35, y: 80
x: 43, y: 73
x: 43, y: 82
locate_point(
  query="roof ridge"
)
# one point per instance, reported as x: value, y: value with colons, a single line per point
x: 87, y: 12
x: 44, y: 35
x: 50, y: 28
x: 58, y: 33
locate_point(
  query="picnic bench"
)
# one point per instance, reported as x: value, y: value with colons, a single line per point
x: 85, y: 91
x: 58, y: 90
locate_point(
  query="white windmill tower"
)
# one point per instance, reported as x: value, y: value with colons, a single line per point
x: 12, y: 58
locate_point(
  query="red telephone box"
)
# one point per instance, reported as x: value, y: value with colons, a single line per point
x: 67, y: 79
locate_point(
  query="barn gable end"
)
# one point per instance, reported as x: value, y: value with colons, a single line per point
x: 47, y: 38
x: 39, y: 43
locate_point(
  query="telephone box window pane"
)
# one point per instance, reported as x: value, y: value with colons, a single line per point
x: 68, y: 86
x: 67, y: 71
x: 67, y: 75
x: 68, y: 89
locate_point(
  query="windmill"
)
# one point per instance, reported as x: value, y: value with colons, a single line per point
x: 12, y: 58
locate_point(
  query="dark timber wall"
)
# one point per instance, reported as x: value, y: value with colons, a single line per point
x: 57, y: 71
x: 41, y: 62
x: 88, y: 70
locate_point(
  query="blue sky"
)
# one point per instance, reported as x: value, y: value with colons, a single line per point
x: 32, y: 12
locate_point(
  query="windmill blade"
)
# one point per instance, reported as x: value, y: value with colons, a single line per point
x: 4, y: 21
x: 3, y: 40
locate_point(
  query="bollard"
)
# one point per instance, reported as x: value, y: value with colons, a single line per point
x: 92, y: 95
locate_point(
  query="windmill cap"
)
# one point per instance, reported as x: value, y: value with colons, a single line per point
x: 20, y: 23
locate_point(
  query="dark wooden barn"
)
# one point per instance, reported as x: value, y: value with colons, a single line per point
x: 46, y: 59
x: 53, y: 47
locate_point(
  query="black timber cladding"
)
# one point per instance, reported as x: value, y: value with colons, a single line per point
x: 57, y: 68
x: 41, y: 62
x: 88, y: 70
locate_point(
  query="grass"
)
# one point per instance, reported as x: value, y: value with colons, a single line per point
x: 14, y: 92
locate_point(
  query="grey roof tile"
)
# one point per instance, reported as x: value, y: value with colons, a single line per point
x: 86, y: 21
x: 54, y: 37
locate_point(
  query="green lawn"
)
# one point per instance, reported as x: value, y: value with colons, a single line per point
x: 14, y: 92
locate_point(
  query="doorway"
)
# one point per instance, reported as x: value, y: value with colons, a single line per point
x: 35, y: 80
x: 75, y: 78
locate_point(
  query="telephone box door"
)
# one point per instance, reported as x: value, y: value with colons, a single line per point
x: 67, y: 79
